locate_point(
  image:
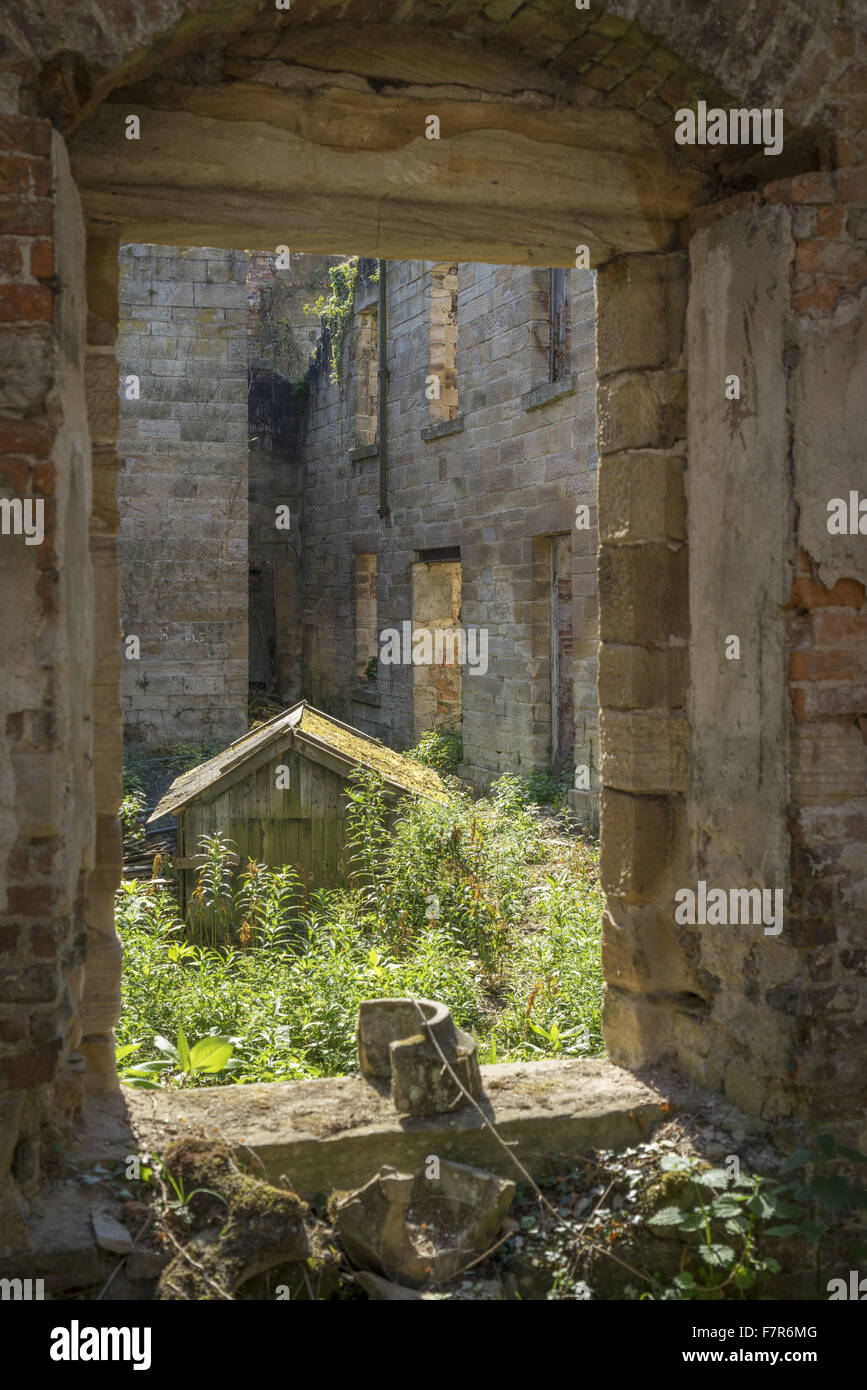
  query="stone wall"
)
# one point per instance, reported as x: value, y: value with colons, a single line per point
x: 496, y: 482
x: 183, y: 492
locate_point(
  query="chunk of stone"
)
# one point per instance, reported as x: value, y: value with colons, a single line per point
x: 383, y: 1290
x: 394, y: 1042
x: 110, y: 1234
x: 420, y: 1230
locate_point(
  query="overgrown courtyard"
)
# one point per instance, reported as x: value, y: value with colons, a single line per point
x: 492, y: 906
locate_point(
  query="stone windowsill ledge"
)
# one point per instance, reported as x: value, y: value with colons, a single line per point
x: 366, y: 695
x: 337, y: 1131
x: 364, y: 451
x: 549, y: 391
x: 442, y: 428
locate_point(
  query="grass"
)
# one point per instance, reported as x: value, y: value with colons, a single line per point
x: 491, y: 906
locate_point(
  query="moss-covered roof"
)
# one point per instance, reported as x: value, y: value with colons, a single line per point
x: 356, y: 747
x: 304, y: 724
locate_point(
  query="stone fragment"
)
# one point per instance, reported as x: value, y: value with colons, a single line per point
x: 110, y: 1234
x: 394, y: 1043
x: 383, y: 1290
x: 423, y: 1230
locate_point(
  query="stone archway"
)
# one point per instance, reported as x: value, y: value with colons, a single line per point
x: 556, y: 130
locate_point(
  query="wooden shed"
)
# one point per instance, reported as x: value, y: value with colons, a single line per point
x: 240, y: 793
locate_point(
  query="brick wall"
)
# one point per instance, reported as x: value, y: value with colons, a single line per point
x: 46, y: 750
x: 183, y: 492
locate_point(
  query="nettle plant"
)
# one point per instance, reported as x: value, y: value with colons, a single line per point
x: 728, y: 1213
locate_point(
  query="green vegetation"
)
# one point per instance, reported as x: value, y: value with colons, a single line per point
x: 336, y: 311
x: 486, y: 905
x: 132, y: 809
x: 442, y: 752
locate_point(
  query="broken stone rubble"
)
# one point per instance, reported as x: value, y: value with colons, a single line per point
x: 418, y: 1230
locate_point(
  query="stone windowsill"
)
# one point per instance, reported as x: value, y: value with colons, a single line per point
x: 364, y: 451
x: 366, y: 695
x: 442, y: 428
x: 549, y: 391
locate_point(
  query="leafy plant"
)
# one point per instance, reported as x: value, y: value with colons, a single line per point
x: 723, y: 1214
x: 178, y: 1062
x: 441, y: 751
x: 336, y: 311
x: 730, y: 1213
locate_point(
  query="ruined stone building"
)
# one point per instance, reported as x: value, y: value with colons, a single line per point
x: 442, y: 493
x: 231, y: 124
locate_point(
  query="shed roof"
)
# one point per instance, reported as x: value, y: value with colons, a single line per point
x: 303, y: 725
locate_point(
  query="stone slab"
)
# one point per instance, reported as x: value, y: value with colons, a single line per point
x: 335, y: 1133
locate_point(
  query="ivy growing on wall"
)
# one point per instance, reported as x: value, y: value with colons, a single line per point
x: 336, y: 311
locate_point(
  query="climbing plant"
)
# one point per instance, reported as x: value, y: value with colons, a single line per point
x: 336, y: 311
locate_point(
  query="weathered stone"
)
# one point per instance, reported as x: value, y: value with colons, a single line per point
x: 242, y: 1226
x: 395, y: 1041
x: 110, y: 1234
x: 422, y: 1230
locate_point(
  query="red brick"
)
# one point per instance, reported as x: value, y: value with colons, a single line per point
x: 817, y: 299
x: 33, y: 218
x: 35, y: 985
x: 815, y: 187
x: 825, y: 666
x: 25, y: 437
x: 13, y: 1029
x: 830, y: 221
x: 30, y: 900
x: 829, y: 701
x: 842, y: 37
x: 42, y: 260
x: 15, y: 174
x: 44, y: 477
x: 31, y: 1070
x: 798, y: 705
x: 26, y: 302
x: 852, y: 185
x: 11, y: 259
x: 25, y: 136
x: 810, y: 593
x: 16, y: 472
x: 43, y: 941
x: 43, y: 1027
x: 808, y: 255
x: 9, y: 938
x: 840, y: 629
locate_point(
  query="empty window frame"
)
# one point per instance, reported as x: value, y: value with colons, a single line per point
x: 443, y: 352
x: 557, y: 353
x: 366, y: 378
x: 366, y: 651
